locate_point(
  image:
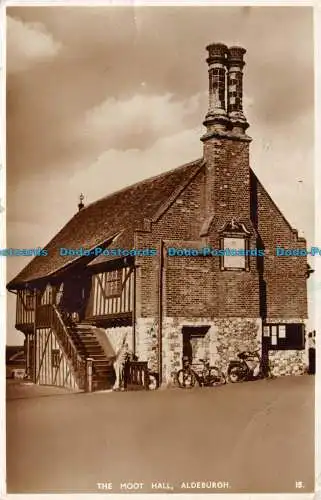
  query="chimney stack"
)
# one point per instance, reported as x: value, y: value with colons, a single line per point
x: 225, y: 84
x: 235, y: 64
x: 226, y: 144
x: 216, y: 118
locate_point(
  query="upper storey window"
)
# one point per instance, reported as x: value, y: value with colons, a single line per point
x: 29, y: 300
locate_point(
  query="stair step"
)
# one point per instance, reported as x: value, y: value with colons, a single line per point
x: 93, y: 354
x: 103, y: 369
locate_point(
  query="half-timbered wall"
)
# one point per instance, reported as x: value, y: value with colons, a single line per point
x: 47, y: 296
x: 25, y: 312
x: 112, y: 292
x: 52, y: 367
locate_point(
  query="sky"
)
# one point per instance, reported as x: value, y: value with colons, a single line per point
x: 102, y: 97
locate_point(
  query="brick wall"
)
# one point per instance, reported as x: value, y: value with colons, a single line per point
x: 284, y: 276
x: 196, y: 286
x: 181, y: 222
x: 228, y: 196
x: 228, y: 179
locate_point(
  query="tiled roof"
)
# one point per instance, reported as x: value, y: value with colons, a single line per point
x: 123, y: 211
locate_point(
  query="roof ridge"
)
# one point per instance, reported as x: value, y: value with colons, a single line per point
x: 125, y: 188
x: 103, y: 218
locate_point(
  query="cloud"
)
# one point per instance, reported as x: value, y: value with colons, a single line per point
x: 27, y: 44
x: 136, y: 122
x: 95, y: 176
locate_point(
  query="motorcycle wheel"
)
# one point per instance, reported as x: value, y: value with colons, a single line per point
x: 185, y: 379
x: 216, y: 377
x: 235, y: 374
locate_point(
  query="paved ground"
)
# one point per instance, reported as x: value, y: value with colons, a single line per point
x: 256, y: 436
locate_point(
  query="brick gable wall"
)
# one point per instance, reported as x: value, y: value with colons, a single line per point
x: 195, y: 286
x: 284, y: 276
x: 181, y: 222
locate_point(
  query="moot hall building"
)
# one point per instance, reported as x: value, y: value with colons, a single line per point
x: 168, y: 306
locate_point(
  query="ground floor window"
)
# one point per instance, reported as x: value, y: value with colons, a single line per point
x: 284, y: 336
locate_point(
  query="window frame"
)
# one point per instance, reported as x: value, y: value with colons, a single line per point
x: 114, y: 276
x: 286, y: 344
x: 29, y: 300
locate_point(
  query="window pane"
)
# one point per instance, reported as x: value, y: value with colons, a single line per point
x: 266, y: 331
x: 282, y: 334
x: 112, y: 281
x: 274, y: 340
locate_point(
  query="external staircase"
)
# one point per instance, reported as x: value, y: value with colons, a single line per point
x: 86, y: 342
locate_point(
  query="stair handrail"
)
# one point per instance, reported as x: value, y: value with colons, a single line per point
x: 78, y: 363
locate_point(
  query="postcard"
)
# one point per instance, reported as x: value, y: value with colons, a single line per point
x: 160, y: 249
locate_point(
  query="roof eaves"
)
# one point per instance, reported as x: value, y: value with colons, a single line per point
x: 65, y: 266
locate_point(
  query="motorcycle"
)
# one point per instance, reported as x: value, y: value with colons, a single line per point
x: 249, y: 367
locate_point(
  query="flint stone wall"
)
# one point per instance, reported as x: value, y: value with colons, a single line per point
x: 223, y: 340
x: 287, y: 362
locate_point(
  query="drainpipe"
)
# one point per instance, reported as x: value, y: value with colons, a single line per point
x: 160, y: 313
x: 35, y: 346
x: 134, y: 312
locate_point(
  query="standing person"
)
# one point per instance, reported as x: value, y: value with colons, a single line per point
x: 311, y: 352
x: 119, y: 365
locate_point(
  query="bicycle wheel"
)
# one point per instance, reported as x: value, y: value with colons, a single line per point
x: 235, y: 374
x: 186, y: 379
x: 216, y: 376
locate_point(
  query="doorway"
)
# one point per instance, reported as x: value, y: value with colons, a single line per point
x: 195, y: 346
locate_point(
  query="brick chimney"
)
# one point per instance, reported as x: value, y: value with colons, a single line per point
x: 216, y: 119
x: 235, y: 66
x: 227, y: 182
x: 226, y: 145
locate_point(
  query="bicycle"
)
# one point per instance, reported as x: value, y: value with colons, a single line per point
x: 210, y: 376
x: 248, y: 367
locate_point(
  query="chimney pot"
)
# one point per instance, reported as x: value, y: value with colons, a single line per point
x: 216, y: 118
x: 236, y: 55
x: 235, y: 64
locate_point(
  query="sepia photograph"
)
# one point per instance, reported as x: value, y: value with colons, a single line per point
x: 160, y: 253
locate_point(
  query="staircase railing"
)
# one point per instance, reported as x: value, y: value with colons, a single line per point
x: 78, y: 364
